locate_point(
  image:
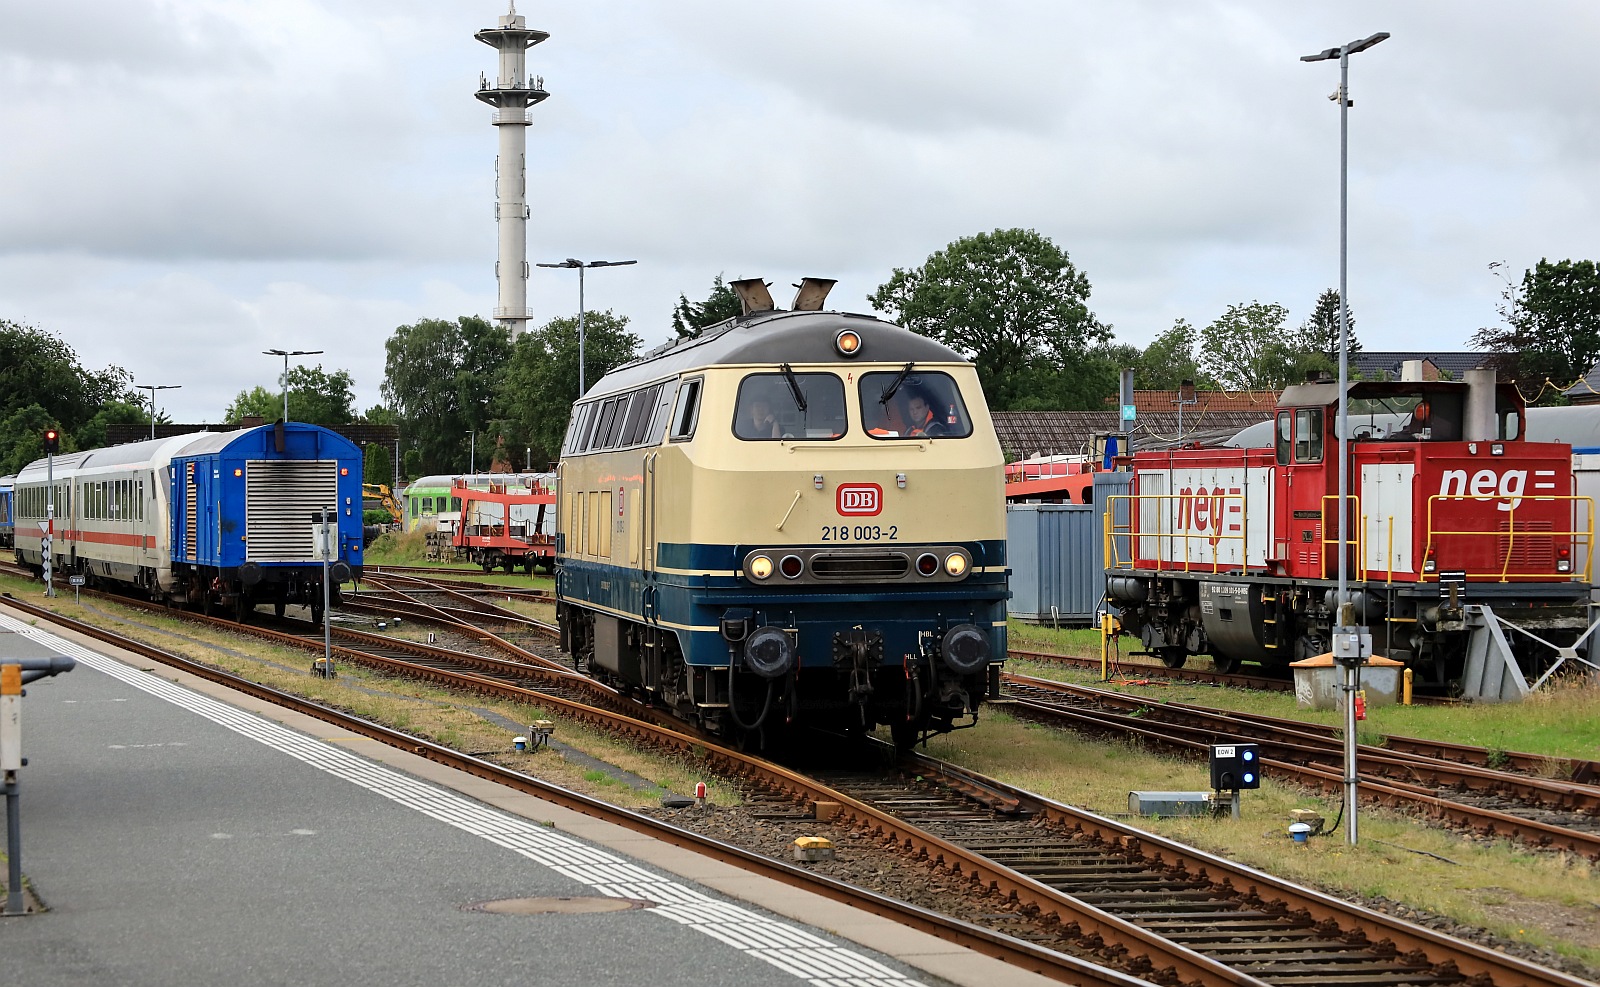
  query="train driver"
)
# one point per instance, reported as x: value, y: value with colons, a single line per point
x: 763, y: 423
x: 919, y: 417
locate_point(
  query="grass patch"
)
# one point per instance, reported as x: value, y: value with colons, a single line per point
x: 1079, y: 641
x: 1498, y: 885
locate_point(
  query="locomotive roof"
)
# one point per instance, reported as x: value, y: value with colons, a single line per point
x: 163, y: 450
x: 778, y: 337
x: 1326, y: 394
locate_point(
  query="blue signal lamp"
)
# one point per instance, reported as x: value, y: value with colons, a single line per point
x: 1235, y: 766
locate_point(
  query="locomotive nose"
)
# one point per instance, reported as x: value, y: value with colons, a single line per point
x: 965, y: 649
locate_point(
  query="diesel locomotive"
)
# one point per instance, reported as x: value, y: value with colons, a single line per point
x: 794, y: 516
x: 216, y: 520
x: 1234, y: 552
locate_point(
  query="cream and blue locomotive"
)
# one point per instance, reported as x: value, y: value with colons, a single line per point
x: 794, y: 516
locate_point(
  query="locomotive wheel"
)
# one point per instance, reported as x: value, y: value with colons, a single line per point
x: 1174, y: 657
x: 1225, y: 665
x: 241, y: 608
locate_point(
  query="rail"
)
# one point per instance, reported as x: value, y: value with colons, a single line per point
x: 1580, y: 536
x: 1187, y: 510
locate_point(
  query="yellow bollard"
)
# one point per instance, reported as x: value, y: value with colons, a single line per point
x: 1405, y: 687
x: 1105, y: 647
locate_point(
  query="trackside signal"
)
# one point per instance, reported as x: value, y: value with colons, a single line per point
x: 52, y: 441
x: 1235, y: 766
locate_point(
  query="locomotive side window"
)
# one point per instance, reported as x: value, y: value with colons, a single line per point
x: 789, y: 405
x: 1285, y: 436
x: 688, y: 413
x: 901, y: 404
x: 1308, y: 435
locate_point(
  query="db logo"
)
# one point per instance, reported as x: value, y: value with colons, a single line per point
x: 860, y: 499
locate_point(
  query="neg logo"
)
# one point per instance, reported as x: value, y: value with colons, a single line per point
x: 1507, y: 487
x: 859, y: 499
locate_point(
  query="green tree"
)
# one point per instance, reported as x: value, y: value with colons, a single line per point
x: 256, y: 401
x: 440, y: 378
x: 541, y: 381
x: 1249, y: 347
x: 92, y: 434
x: 411, y: 464
x: 22, y: 437
x: 1010, y: 300
x: 1320, y: 331
x: 37, y: 368
x: 376, y: 466
x: 1552, y: 330
x: 688, y: 318
x: 315, y: 396
x: 1169, y: 360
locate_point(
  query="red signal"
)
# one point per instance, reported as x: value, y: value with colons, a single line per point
x: 52, y: 441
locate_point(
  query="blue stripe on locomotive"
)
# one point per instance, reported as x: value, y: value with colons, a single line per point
x: 216, y: 489
x: 899, y: 611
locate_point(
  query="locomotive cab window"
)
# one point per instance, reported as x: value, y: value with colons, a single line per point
x: 906, y: 404
x: 1308, y: 435
x: 790, y: 406
x: 1285, y: 436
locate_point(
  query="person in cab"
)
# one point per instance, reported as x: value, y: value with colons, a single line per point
x: 919, y: 417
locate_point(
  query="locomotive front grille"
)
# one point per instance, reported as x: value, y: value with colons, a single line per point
x: 880, y: 565
x: 280, y: 498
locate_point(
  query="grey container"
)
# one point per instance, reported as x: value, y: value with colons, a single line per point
x: 1057, y: 555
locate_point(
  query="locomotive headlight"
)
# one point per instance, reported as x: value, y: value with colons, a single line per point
x: 956, y: 564
x: 927, y: 563
x: 760, y: 567
x: 848, y: 342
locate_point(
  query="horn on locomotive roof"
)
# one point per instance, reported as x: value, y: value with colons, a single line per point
x: 753, y: 296
x: 813, y: 292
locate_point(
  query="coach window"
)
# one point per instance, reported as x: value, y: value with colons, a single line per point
x: 788, y: 406
x: 687, y: 414
x: 907, y: 404
x: 1308, y: 435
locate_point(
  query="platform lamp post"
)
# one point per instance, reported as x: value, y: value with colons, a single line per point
x: 286, y: 354
x: 582, y: 266
x: 1351, y: 644
x: 1185, y: 397
x: 153, y: 388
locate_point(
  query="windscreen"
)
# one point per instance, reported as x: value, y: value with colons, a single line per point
x: 913, y: 404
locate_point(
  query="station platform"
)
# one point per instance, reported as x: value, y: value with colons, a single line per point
x: 179, y: 833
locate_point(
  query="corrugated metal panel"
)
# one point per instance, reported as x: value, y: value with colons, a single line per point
x: 280, y: 496
x: 1056, y: 554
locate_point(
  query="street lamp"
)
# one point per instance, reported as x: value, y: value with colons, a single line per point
x: 286, y: 354
x: 581, y: 266
x: 153, y: 388
x: 1185, y: 397
x: 1350, y: 643
x: 472, y: 454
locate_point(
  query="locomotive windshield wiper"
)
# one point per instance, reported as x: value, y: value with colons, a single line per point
x: 794, y: 385
x: 894, y: 385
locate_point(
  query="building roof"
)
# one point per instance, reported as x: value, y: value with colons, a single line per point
x: 1066, y: 433
x: 1389, y: 361
x: 1149, y: 402
x: 1587, y: 389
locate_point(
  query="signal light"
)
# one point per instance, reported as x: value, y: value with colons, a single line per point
x: 52, y: 441
x: 928, y: 564
x: 1235, y: 766
x: 791, y: 566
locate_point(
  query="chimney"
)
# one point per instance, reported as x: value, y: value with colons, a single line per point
x: 1411, y: 371
x: 251, y: 421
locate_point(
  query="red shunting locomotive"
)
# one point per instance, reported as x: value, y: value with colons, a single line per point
x: 1235, y: 552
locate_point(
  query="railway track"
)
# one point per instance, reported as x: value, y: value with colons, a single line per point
x: 1542, y: 812
x: 1239, y: 680
x: 1063, y: 877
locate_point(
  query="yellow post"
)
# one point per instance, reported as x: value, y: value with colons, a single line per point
x: 1105, y: 647
x: 1405, y: 688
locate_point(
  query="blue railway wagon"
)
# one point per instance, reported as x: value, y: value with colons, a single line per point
x: 243, y: 510
x: 8, y: 517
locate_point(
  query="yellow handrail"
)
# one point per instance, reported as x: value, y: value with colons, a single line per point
x: 1580, y: 536
x: 1361, y: 557
x: 1112, y: 531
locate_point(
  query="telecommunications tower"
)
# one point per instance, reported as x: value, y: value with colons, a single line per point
x: 511, y: 95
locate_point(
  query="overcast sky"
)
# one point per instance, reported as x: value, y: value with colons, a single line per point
x: 184, y: 183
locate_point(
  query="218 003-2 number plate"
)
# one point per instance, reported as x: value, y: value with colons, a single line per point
x: 860, y: 532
